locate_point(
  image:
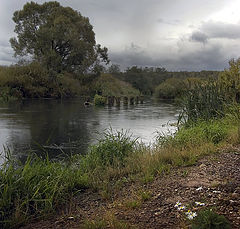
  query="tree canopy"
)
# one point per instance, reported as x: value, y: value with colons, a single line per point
x: 58, y: 37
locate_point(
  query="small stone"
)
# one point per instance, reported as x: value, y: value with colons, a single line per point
x: 235, y: 195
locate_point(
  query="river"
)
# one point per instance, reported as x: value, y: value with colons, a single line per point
x: 68, y: 126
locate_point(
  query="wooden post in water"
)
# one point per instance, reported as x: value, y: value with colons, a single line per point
x: 113, y: 100
x: 137, y: 99
x: 131, y: 100
x: 125, y: 100
x: 110, y: 100
x: 141, y: 99
x: 118, y: 101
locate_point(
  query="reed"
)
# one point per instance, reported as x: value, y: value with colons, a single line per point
x: 204, y: 102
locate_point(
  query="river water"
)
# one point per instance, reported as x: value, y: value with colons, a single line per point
x: 68, y: 126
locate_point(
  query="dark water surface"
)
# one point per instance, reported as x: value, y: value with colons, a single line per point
x: 68, y: 125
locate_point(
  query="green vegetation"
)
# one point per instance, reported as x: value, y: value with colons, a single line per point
x: 34, y: 81
x: 170, y: 89
x: 148, y: 80
x: 209, y: 219
x: 107, y: 85
x: 99, y: 100
x: 35, y: 188
x: 206, y: 101
x: 112, y: 150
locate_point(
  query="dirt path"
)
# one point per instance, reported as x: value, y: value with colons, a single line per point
x: 215, y: 181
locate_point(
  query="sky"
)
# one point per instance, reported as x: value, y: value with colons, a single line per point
x: 179, y: 35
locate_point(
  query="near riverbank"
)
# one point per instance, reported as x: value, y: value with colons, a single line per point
x: 214, y: 181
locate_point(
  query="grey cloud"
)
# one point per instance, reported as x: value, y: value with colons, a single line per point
x: 132, y: 55
x: 199, y: 37
x: 169, y: 22
x: 221, y: 30
x: 211, y: 57
x: 6, y: 53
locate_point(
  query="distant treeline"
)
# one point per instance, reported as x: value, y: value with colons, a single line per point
x: 35, y: 81
x: 159, y: 81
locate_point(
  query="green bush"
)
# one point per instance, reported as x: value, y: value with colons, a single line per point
x: 111, y: 151
x: 99, y: 100
x: 170, y: 89
x: 35, y: 81
x: 208, y: 219
x: 7, y: 94
x: 108, y: 85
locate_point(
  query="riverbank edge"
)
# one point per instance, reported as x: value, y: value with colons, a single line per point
x: 214, y: 179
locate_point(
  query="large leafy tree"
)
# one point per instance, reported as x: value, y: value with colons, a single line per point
x: 58, y: 37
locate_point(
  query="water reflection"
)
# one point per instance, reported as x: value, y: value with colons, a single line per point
x: 57, y: 123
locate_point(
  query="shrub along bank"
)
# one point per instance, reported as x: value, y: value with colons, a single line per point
x: 35, y: 81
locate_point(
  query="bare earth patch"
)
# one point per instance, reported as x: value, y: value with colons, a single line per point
x: 214, y: 180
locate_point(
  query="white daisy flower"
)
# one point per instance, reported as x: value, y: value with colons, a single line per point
x: 199, y: 189
x: 200, y: 204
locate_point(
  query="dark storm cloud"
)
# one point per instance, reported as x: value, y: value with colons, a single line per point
x: 132, y: 55
x: 211, y: 57
x: 199, y: 37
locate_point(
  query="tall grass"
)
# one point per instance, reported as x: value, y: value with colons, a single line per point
x: 204, y: 102
x: 35, y: 188
x: 40, y: 186
x: 112, y: 149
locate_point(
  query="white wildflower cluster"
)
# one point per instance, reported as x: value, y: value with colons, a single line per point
x: 179, y: 206
x: 190, y: 214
